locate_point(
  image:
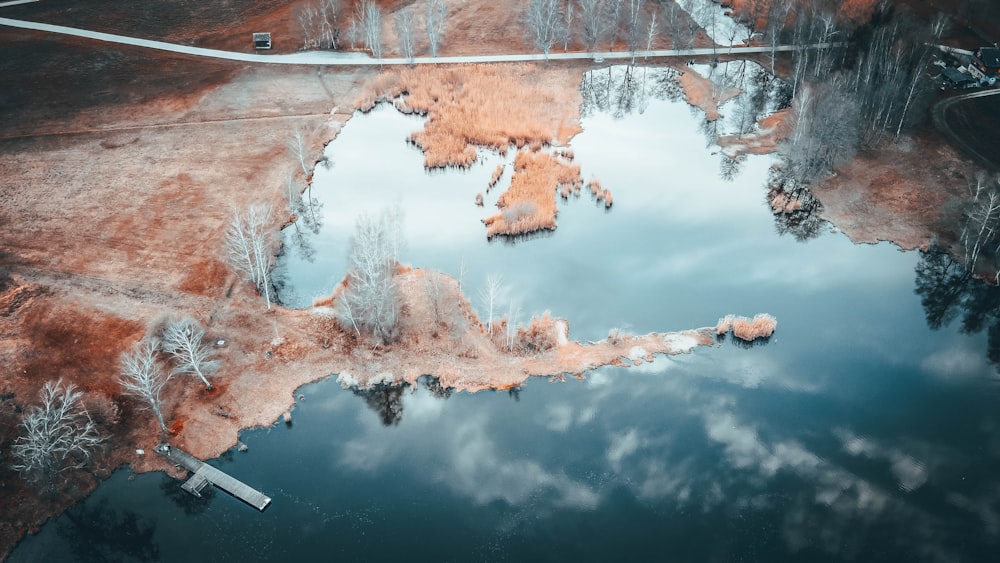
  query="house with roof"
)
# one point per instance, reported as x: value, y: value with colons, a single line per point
x: 958, y: 79
x: 262, y: 40
x: 985, y: 63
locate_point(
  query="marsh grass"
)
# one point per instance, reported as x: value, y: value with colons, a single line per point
x: 530, y: 202
x: 541, y: 335
x: 497, y: 173
x: 761, y: 326
x: 600, y: 194
x: 477, y: 105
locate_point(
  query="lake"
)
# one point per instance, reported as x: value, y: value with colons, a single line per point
x: 856, y: 433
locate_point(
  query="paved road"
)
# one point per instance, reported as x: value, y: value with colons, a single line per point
x: 360, y: 59
x: 940, y: 114
x: 15, y: 3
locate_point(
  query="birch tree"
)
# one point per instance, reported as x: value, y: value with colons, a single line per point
x: 633, y: 25
x: 142, y: 377
x: 489, y: 297
x: 56, y: 436
x: 593, y: 22
x: 434, y: 21
x: 404, y: 21
x: 982, y: 219
x: 182, y: 340
x: 369, y: 302
x: 249, y: 244
x: 651, y: 30
x: 319, y: 23
x: 368, y: 17
x: 298, y: 148
x: 544, y: 21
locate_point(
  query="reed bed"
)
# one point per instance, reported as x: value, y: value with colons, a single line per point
x: 530, y: 203
x: 496, y: 177
x: 479, y: 105
x: 761, y: 326
x: 600, y: 194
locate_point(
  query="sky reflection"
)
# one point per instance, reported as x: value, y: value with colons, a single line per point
x: 855, y: 433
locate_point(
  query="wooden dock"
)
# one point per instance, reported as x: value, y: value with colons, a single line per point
x: 203, y: 474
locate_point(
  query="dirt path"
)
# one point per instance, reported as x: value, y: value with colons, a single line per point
x: 948, y: 112
x: 330, y: 58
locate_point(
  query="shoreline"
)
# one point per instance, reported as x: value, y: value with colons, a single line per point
x: 115, y: 273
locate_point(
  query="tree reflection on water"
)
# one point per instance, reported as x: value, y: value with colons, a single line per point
x: 621, y: 90
x: 96, y: 532
x: 190, y: 504
x: 387, y: 400
x: 947, y: 291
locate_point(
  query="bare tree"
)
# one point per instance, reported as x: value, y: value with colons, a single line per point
x: 593, y: 21
x: 369, y: 302
x: 511, y: 328
x: 182, y: 340
x: 404, y: 21
x: 489, y: 296
x: 249, y: 244
x: 434, y: 20
x: 544, y: 21
x: 569, y: 13
x: 368, y: 17
x: 298, y: 148
x: 319, y: 22
x: 982, y: 219
x: 142, y: 377
x: 633, y: 25
x: 825, y: 131
x: 58, y: 435
x: 651, y: 30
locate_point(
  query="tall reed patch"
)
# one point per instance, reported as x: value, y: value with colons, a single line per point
x: 491, y: 106
x: 759, y: 327
x: 497, y: 173
x: 530, y: 202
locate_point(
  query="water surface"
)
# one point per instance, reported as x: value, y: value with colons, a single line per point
x: 857, y: 433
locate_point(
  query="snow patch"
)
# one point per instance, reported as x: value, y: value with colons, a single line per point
x: 637, y: 353
x: 680, y: 343
x: 345, y: 379
x: 384, y: 378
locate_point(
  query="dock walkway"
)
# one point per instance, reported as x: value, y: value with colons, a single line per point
x: 202, y: 474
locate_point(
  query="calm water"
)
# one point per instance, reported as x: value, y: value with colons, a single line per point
x: 856, y: 433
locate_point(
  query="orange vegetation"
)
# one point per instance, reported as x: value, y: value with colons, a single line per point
x: 599, y: 193
x: 746, y: 329
x: 705, y: 94
x: 439, y: 334
x: 496, y: 177
x: 530, y: 203
x: 481, y: 105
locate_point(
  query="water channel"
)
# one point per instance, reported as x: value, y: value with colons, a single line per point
x: 856, y: 433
